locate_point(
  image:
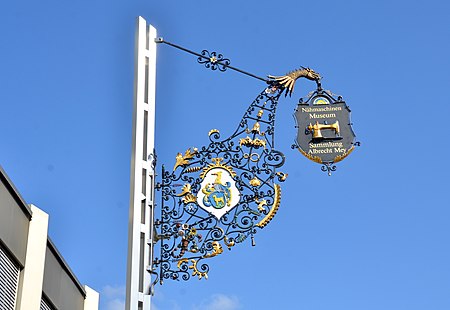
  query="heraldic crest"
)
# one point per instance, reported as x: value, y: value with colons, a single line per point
x: 219, y: 193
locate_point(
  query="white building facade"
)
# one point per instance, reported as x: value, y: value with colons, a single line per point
x: 33, y: 274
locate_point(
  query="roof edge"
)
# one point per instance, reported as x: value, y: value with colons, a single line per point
x: 15, y: 193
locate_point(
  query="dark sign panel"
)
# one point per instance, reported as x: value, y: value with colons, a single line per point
x: 324, y: 133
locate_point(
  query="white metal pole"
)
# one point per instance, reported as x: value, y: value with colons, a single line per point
x: 140, y: 246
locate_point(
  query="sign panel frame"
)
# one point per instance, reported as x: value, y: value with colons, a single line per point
x: 324, y: 129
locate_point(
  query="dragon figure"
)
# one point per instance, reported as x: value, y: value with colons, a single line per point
x: 288, y: 81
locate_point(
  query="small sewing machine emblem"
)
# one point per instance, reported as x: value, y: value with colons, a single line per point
x: 317, y: 129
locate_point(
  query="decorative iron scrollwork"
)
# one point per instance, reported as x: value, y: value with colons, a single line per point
x: 213, y: 60
x: 328, y: 167
x: 220, y: 194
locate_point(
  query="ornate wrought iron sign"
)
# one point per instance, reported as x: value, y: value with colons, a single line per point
x: 227, y: 191
x: 223, y: 193
x: 325, y: 134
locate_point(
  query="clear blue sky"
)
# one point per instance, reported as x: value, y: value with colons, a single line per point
x: 376, y: 238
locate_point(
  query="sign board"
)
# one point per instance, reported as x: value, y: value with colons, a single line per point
x: 325, y: 133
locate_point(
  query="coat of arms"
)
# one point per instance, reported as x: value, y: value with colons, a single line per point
x: 218, y: 193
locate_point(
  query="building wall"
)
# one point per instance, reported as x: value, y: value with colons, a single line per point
x: 15, y: 216
x: 60, y: 287
x: 33, y: 274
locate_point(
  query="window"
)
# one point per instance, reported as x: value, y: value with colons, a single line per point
x: 9, y: 278
x: 45, y: 305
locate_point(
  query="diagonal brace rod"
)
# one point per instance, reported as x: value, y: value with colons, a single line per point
x: 161, y: 40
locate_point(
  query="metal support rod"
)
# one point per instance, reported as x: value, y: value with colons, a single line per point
x: 161, y: 40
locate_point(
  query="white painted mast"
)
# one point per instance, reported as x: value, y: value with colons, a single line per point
x: 140, y: 245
